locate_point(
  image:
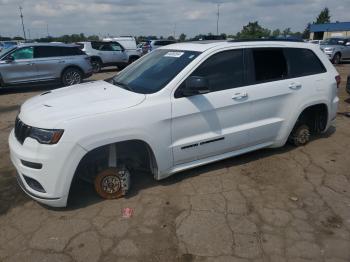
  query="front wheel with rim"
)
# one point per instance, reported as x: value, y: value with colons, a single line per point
x: 336, y: 59
x: 300, y: 135
x: 113, y: 182
x: 96, y: 66
x: 71, y: 76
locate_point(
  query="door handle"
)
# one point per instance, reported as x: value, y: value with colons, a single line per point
x: 240, y: 96
x: 295, y: 86
x: 30, y: 64
x: 61, y: 61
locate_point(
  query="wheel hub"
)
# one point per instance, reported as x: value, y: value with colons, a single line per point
x: 111, y: 184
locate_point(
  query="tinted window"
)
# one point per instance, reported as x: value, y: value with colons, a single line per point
x: 96, y: 45
x: 106, y: 47
x: 23, y: 53
x: 70, y: 51
x: 223, y: 70
x: 269, y: 64
x: 46, y: 51
x: 302, y: 62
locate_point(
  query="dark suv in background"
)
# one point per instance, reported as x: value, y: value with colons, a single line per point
x: 41, y: 62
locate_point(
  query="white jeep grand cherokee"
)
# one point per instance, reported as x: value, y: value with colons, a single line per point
x: 179, y: 107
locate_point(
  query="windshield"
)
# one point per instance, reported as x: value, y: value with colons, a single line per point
x: 154, y: 71
x: 6, y: 50
x: 333, y: 41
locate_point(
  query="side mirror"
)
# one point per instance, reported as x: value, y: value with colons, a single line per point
x: 9, y: 59
x: 196, y: 85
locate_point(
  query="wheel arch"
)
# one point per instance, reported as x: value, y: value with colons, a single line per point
x: 153, y: 164
x: 71, y: 66
x: 320, y: 106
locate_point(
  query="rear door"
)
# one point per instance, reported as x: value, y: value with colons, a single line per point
x: 107, y: 53
x: 271, y: 93
x: 281, y: 79
x: 216, y: 122
x: 49, y: 62
x: 22, y: 69
x: 119, y: 53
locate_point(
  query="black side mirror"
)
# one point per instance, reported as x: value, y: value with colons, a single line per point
x: 9, y: 59
x: 196, y: 85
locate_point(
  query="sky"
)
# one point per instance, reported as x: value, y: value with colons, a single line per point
x: 160, y: 17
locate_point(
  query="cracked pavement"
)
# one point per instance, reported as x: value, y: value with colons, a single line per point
x: 273, y: 205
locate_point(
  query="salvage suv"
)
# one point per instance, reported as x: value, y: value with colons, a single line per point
x: 178, y: 107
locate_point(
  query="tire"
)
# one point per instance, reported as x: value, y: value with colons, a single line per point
x: 300, y: 135
x: 336, y: 59
x: 71, y: 76
x: 132, y: 59
x: 122, y: 66
x: 112, y: 183
x: 96, y: 65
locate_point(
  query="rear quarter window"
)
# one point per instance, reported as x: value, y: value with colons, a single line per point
x: 303, y: 62
x: 71, y: 51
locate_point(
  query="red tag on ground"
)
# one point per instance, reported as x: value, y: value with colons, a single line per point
x: 127, y: 212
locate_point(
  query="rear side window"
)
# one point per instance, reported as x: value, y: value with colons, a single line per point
x: 46, y: 51
x: 96, y: 45
x: 269, y: 64
x: 70, y: 51
x: 223, y: 70
x: 303, y: 62
x: 54, y: 51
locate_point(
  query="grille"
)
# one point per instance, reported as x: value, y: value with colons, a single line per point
x: 22, y: 130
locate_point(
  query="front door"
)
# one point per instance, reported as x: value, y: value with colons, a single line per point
x: 21, y: 69
x: 216, y: 122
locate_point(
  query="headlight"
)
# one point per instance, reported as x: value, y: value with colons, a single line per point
x: 330, y: 49
x: 46, y: 136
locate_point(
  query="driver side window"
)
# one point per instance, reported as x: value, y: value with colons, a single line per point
x: 224, y: 70
x: 23, y: 53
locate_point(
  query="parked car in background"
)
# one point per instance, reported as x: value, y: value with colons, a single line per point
x: 7, y: 44
x: 129, y: 44
x: 337, y: 49
x: 29, y: 63
x: 316, y: 42
x: 108, y: 53
x: 177, y: 108
x: 154, y: 44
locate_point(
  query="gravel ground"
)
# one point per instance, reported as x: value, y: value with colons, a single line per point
x: 287, y: 204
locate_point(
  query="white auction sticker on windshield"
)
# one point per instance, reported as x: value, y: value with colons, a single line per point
x: 174, y: 54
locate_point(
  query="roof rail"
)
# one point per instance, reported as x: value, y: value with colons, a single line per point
x: 267, y: 39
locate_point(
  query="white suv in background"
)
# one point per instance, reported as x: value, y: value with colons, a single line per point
x: 107, y: 53
x: 179, y: 107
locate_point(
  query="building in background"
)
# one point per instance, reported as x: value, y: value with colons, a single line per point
x: 324, y: 31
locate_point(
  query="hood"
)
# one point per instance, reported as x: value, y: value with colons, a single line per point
x: 48, y: 109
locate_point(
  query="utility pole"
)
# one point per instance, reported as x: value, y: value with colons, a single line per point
x: 217, y: 21
x: 47, y: 30
x: 175, y: 31
x: 24, y: 32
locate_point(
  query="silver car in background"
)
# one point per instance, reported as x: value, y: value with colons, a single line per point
x: 43, y: 62
x: 337, y: 49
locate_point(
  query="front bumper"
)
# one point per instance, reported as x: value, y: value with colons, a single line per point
x: 58, y: 161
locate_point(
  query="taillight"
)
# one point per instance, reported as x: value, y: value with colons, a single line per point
x: 338, y: 79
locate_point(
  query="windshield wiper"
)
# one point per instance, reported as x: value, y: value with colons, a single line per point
x: 122, y: 85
